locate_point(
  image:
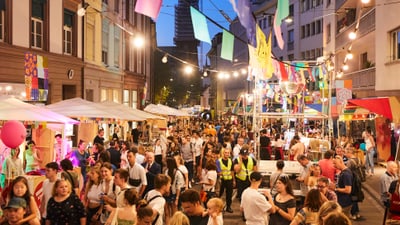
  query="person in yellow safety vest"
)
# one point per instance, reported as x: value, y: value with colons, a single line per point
x: 243, y: 167
x: 226, y: 174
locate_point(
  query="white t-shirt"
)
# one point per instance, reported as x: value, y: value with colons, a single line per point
x: 255, y: 207
x: 137, y: 172
x: 220, y: 220
x: 157, y: 150
x: 47, y: 194
x: 198, y: 145
x: 93, y: 194
x: 157, y: 204
x: 210, y: 175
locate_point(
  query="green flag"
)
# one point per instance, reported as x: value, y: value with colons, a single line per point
x: 227, y: 45
x: 200, y: 27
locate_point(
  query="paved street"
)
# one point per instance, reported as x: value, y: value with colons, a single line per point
x: 371, y: 209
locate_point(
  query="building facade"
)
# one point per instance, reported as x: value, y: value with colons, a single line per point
x: 89, y: 55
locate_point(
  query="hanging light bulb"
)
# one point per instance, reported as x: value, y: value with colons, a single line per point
x: 243, y: 71
x: 205, y: 74
x: 349, y: 55
x: 339, y: 74
x: 188, y: 69
x: 236, y: 74
x: 353, y: 35
x: 365, y: 1
x: 345, y: 66
x: 164, y: 58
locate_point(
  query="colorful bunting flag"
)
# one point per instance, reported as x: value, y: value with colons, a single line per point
x: 200, y: 27
x: 150, y: 8
x: 246, y: 18
x: 264, y: 53
x: 282, y: 68
x: 282, y: 11
x: 227, y: 45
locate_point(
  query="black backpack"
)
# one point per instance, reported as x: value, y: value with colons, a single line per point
x: 357, y: 194
x: 358, y: 169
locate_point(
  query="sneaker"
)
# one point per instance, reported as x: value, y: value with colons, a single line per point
x: 229, y: 210
x: 353, y: 217
x: 358, y: 216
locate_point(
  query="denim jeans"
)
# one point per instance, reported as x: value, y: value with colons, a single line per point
x: 369, y: 160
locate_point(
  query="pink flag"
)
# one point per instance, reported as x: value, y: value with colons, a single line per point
x: 149, y: 8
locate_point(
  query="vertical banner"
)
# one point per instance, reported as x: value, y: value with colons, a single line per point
x: 36, y: 77
x: 383, y: 138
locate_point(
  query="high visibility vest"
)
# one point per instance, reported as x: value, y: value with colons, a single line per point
x: 226, y: 170
x: 245, y: 172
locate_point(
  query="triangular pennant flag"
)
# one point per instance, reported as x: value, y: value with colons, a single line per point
x: 310, y: 74
x: 246, y: 18
x: 324, y: 71
x: 293, y: 71
x: 299, y: 66
x: 320, y: 72
x: 284, y: 75
x: 270, y: 68
x: 227, y: 45
x: 263, y: 53
x: 200, y: 27
x: 150, y: 8
x: 315, y: 71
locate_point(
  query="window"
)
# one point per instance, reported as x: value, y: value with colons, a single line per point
x: 134, y: 99
x: 103, y: 95
x: 290, y: 57
x: 37, y: 20
x: 105, y: 2
x: 2, y: 19
x: 303, y: 6
x: 364, y: 60
x: 395, y: 44
x: 290, y: 39
x: 318, y: 27
x: 37, y: 33
x: 125, y: 97
x: 116, y: 6
x: 328, y: 3
x: 117, y: 41
x: 328, y: 33
x: 291, y: 10
x: 303, y: 31
x: 116, y: 95
x: 264, y: 23
x: 308, y: 30
x: 68, y: 21
x: 89, y: 42
x: 104, y: 49
x: 312, y: 32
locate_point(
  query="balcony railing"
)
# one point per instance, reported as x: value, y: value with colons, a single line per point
x: 362, y: 79
x: 367, y: 24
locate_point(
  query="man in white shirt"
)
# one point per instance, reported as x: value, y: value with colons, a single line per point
x: 48, y: 184
x: 238, y: 146
x: 256, y: 205
x: 137, y: 174
x: 154, y: 198
x: 197, y: 146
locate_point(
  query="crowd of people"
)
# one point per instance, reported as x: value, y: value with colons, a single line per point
x: 189, y: 176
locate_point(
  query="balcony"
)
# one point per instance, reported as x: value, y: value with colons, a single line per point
x: 362, y: 79
x: 367, y: 24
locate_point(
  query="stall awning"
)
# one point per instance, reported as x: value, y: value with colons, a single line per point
x: 379, y: 106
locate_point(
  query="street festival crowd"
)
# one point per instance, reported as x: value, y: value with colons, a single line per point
x: 191, y: 176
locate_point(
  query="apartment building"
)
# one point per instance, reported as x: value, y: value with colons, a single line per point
x: 88, y: 54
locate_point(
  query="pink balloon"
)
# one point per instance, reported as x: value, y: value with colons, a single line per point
x: 13, y: 133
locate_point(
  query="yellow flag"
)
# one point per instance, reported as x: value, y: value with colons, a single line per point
x: 263, y: 52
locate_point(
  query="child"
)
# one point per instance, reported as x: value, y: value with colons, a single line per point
x: 19, y: 188
x: 214, y: 211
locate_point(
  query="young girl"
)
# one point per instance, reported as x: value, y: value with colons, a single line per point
x: 19, y: 188
x: 127, y: 214
x: 214, y: 211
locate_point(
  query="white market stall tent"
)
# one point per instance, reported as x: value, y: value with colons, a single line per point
x: 165, y: 110
x: 14, y: 109
x: 126, y: 109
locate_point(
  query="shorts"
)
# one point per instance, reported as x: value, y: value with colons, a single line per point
x: 198, y: 160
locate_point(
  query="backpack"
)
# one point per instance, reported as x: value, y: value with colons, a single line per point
x: 358, y: 169
x: 357, y: 194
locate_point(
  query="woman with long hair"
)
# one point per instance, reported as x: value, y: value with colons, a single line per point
x: 284, y: 202
x: 177, y: 185
x: 93, y: 192
x: 125, y: 146
x: 327, y: 208
x: 158, y: 151
x: 309, y: 213
x: 144, y: 213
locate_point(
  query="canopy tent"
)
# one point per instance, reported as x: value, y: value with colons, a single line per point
x: 386, y: 106
x: 126, y: 109
x: 14, y: 109
x: 78, y: 107
x: 165, y: 110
